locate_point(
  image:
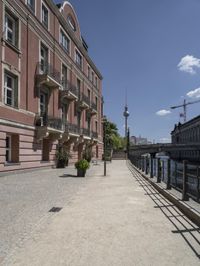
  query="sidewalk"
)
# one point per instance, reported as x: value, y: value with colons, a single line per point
x: 117, y: 220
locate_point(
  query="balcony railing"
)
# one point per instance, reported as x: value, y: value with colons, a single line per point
x: 94, y: 106
x: 52, y: 122
x: 85, y: 99
x: 72, y: 128
x: 45, y: 69
x: 67, y: 86
x: 85, y: 131
x: 94, y: 135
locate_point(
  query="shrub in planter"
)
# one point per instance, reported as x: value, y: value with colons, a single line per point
x: 62, y: 158
x: 81, y: 166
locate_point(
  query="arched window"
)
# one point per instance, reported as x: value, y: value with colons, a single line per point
x: 71, y: 22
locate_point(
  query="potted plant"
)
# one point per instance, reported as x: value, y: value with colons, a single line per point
x: 81, y: 166
x: 62, y: 158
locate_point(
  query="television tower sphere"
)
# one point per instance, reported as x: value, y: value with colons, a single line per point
x: 126, y: 112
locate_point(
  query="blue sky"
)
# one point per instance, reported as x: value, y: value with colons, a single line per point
x: 151, y: 48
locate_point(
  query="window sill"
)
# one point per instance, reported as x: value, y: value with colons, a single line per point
x: 11, y: 164
x: 13, y: 47
x: 11, y: 106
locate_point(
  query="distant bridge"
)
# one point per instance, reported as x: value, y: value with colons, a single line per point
x: 168, y: 148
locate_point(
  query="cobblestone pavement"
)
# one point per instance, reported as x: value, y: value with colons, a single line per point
x: 26, y: 198
x: 117, y: 220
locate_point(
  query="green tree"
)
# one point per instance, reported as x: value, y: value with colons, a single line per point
x: 112, y: 137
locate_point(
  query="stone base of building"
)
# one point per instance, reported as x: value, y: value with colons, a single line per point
x: 20, y: 149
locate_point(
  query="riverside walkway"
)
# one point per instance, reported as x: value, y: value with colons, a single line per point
x: 117, y: 220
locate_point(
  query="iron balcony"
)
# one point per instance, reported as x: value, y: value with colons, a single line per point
x: 45, y: 120
x: 72, y: 128
x: 85, y: 132
x: 84, y: 102
x: 94, y: 135
x: 93, y: 109
x: 48, y: 75
x: 69, y: 91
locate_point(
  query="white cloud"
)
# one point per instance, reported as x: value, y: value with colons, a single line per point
x: 194, y: 94
x: 163, y: 112
x: 188, y: 64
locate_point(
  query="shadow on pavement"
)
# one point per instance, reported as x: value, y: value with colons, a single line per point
x: 68, y: 175
x: 183, y: 226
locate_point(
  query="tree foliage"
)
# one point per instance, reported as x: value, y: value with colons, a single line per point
x: 112, y: 137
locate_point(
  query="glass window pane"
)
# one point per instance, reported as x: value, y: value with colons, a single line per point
x: 9, y: 82
x: 7, y: 142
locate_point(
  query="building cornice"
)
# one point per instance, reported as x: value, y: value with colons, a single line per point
x: 15, y: 124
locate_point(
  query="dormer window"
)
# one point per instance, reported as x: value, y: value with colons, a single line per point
x: 71, y: 22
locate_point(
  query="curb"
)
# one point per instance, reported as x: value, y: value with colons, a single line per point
x: 190, y: 212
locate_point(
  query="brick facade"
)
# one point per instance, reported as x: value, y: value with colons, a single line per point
x: 51, y: 91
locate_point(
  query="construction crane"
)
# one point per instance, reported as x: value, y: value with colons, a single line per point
x: 184, y: 105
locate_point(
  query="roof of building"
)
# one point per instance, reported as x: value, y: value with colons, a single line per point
x: 80, y: 43
x: 186, y: 124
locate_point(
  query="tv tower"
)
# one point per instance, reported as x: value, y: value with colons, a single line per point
x: 126, y: 115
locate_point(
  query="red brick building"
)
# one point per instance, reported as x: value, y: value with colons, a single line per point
x: 51, y: 91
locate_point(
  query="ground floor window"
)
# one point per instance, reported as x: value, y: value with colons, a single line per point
x: 12, y: 148
x: 8, y: 148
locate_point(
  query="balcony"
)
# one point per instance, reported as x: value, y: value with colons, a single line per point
x: 94, y: 135
x: 85, y: 132
x: 47, y: 125
x: 84, y: 102
x: 48, y: 75
x: 72, y: 129
x: 69, y: 92
x: 93, y: 109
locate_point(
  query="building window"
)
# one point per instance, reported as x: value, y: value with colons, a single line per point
x: 12, y: 148
x: 89, y: 94
x: 78, y: 82
x: 96, y: 126
x: 8, y: 148
x: 31, y: 5
x: 11, y: 29
x: 71, y: 22
x: 64, y: 41
x: 10, y: 89
x: 78, y: 59
x: 92, y: 77
x: 64, y: 76
x: 75, y: 108
x: 45, y: 16
x: 89, y: 72
x: 96, y: 85
x: 43, y: 103
x: 96, y: 101
x: 43, y: 58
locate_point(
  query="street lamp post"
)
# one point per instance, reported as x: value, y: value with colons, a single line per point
x: 104, y: 142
